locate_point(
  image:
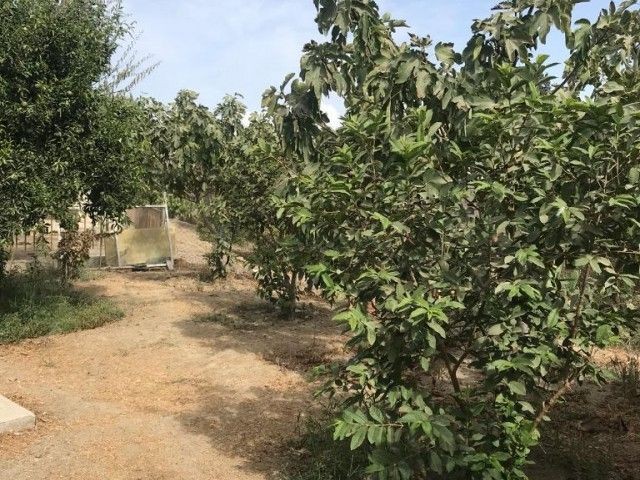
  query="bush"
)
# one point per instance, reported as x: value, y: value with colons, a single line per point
x: 476, y: 215
x: 73, y: 252
x: 35, y: 303
x: 628, y: 373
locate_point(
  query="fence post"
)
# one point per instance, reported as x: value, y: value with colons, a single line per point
x: 100, y: 252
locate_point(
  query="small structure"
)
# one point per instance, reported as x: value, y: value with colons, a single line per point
x: 147, y: 241
x: 13, y: 417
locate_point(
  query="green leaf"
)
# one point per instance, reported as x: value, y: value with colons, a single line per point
x: 405, y: 71
x: 436, y: 327
x: 386, y: 223
x: 376, y: 434
x: 435, y: 462
x: 495, y: 330
x: 418, y: 312
x: 517, y: 387
x: 423, y: 81
x: 371, y: 336
x: 445, y: 53
x: 376, y: 414
x: 611, y: 87
x: 603, y: 334
x: 527, y: 407
x: 425, y: 363
x: 358, y: 438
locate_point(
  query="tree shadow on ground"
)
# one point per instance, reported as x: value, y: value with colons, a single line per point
x: 259, y: 427
x: 255, y: 419
x: 233, y: 317
x: 254, y: 326
x: 256, y: 428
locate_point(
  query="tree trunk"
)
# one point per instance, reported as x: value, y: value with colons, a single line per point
x: 291, y: 284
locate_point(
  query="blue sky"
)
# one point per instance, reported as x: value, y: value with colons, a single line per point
x: 225, y: 46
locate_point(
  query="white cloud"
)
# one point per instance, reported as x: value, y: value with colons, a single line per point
x: 334, y: 117
x: 334, y: 109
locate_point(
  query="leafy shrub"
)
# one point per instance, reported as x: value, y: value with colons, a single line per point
x: 183, y: 209
x: 277, y: 268
x: 628, y: 372
x: 73, y: 252
x: 476, y: 215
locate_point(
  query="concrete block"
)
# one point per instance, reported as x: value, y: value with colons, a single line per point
x: 13, y: 417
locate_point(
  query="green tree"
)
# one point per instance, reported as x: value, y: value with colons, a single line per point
x: 479, y: 217
x: 187, y: 142
x: 254, y: 169
x: 221, y: 172
x: 62, y: 138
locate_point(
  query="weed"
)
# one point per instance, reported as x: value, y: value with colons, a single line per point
x: 88, y: 274
x: 629, y: 377
x: 35, y: 303
x: 316, y: 456
x: 303, y: 359
x: 229, y: 321
x: 633, y: 340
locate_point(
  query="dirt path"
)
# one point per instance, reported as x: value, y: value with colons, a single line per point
x: 197, y: 382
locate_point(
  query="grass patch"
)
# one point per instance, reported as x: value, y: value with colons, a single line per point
x: 34, y: 304
x: 316, y: 456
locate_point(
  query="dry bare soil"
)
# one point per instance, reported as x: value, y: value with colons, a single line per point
x: 198, y: 381
x: 204, y: 381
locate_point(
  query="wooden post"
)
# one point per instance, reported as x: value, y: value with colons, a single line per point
x: 115, y: 237
x: 168, y: 227
x: 100, y: 252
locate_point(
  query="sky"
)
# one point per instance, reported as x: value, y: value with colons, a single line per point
x: 218, y: 47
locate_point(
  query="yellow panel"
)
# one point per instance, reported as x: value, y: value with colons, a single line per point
x: 147, y: 245
x: 139, y: 246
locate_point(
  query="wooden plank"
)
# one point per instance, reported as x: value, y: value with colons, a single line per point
x: 117, y: 250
